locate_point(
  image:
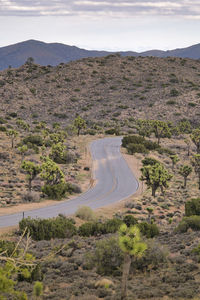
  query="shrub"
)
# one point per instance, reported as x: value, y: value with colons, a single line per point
x: 149, y: 161
x: 129, y: 220
x: 107, y: 257
x: 155, y: 255
x: 134, y: 139
x: 136, y: 148
x: 192, y: 222
x: 56, y: 191
x: 174, y: 93
x: 34, y: 140
x: 112, y: 225
x: 85, y: 213
x: 13, y: 114
x: 3, y: 128
x: 45, y: 229
x: 31, y: 197
x: 7, y: 247
x: 90, y: 229
x: 112, y: 131
x: 192, y: 207
x: 96, y: 228
x: 148, y: 230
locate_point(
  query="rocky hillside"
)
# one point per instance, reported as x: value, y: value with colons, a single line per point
x: 105, y: 90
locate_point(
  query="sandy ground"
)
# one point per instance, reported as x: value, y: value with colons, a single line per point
x: 108, y: 211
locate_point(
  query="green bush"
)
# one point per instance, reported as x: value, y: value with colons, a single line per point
x: 46, y: 229
x: 129, y: 220
x: 155, y: 256
x: 90, y: 229
x: 192, y: 207
x: 7, y: 247
x: 3, y: 128
x: 112, y: 225
x: 136, y: 148
x: 192, y: 222
x: 107, y: 257
x: 34, y: 140
x: 56, y: 191
x: 85, y: 213
x: 134, y: 139
x: 149, y: 161
x: 148, y: 230
x: 138, y: 144
x: 97, y: 228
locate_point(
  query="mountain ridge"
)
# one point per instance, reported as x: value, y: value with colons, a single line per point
x: 53, y: 54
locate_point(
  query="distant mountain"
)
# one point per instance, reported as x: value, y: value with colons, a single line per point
x: 55, y: 53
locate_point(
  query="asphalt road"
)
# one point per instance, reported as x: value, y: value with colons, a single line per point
x: 114, y: 182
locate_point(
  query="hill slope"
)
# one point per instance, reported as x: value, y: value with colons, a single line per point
x: 105, y: 90
x: 55, y: 53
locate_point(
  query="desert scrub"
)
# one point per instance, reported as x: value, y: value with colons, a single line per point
x: 46, y: 229
x: 85, y: 213
x: 107, y: 257
x: 192, y: 222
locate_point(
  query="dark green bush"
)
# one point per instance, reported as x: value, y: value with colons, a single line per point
x: 7, y: 247
x: 58, y: 191
x: 112, y: 131
x: 107, y: 257
x: 129, y: 220
x: 151, y: 145
x: 134, y: 139
x: 112, y: 225
x: 155, y: 256
x: 148, y: 230
x: 63, y: 158
x: 138, y: 144
x: 192, y: 222
x: 192, y: 207
x: 3, y: 128
x: 90, y: 229
x: 149, y: 161
x: 45, y: 229
x: 13, y: 114
x: 136, y: 148
x: 97, y: 228
x: 34, y: 140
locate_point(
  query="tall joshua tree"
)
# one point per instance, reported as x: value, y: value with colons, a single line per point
x: 132, y: 246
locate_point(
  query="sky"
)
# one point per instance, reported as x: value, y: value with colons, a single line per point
x: 102, y: 24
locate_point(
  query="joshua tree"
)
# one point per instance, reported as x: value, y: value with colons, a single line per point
x: 196, y: 164
x: 174, y: 159
x: 188, y: 143
x: 185, y: 171
x: 160, y: 129
x: 23, y: 149
x: 155, y: 176
x: 12, y: 134
x: 195, y: 137
x: 79, y: 124
x: 32, y: 171
x: 130, y: 243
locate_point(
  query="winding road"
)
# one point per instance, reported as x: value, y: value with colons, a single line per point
x: 114, y: 182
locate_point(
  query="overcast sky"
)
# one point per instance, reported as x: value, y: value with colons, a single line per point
x: 102, y: 24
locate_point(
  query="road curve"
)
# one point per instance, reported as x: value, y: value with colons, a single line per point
x: 114, y: 182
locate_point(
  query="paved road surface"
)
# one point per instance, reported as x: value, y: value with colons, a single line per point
x: 114, y: 181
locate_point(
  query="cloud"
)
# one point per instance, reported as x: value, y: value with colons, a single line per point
x: 95, y: 8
